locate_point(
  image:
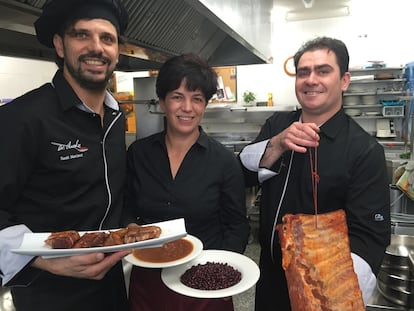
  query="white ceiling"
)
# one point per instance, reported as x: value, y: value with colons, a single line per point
x: 318, y: 9
x: 316, y: 4
x: 252, y: 29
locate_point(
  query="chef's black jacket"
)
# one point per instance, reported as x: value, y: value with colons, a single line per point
x: 352, y: 176
x: 60, y: 170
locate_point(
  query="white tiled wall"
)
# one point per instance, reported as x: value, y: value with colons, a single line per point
x: 19, y: 75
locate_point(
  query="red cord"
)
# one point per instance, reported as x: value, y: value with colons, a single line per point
x: 315, y: 180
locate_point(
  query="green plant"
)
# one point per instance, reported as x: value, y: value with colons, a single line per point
x: 249, y: 97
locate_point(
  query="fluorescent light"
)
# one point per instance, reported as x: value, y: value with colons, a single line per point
x: 308, y: 3
x: 301, y: 15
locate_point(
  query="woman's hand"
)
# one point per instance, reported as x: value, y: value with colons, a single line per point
x: 92, y: 266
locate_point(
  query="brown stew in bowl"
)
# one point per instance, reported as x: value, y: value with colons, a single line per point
x: 170, y: 251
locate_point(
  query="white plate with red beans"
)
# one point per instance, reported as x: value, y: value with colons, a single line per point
x: 213, y: 274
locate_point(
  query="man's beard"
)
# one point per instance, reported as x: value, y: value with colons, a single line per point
x: 87, y: 82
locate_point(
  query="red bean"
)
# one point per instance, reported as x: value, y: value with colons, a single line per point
x: 211, y: 276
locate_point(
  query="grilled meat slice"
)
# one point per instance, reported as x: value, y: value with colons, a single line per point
x: 91, y: 239
x: 62, y: 239
x: 138, y: 233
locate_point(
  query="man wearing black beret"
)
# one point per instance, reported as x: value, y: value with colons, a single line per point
x: 63, y: 164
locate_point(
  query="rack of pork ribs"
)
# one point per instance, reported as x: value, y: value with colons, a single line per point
x: 132, y: 233
x: 317, y: 261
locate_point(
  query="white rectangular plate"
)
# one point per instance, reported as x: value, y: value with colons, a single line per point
x: 34, y: 243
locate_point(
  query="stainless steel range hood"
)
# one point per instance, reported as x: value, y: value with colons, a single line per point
x: 158, y: 29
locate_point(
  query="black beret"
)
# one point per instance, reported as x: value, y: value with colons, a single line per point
x: 57, y: 12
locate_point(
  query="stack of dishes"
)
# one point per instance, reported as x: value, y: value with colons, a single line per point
x: 351, y: 100
x: 369, y: 100
x: 395, y: 279
x: 352, y: 112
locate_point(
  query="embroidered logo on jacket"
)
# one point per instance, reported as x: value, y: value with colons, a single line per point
x: 378, y: 217
x: 70, y: 146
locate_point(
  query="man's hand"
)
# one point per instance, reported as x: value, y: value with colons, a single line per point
x: 92, y: 266
x: 297, y: 137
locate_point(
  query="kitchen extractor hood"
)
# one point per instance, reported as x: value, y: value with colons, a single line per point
x: 158, y: 29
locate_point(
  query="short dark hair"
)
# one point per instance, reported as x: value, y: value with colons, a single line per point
x: 330, y: 44
x: 191, y: 67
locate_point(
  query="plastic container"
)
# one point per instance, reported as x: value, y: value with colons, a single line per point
x: 393, y: 111
x: 269, y: 99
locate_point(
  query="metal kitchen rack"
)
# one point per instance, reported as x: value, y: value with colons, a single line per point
x: 386, y: 84
x: 235, y: 126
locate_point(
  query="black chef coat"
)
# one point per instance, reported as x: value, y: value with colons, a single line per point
x: 61, y: 169
x: 353, y: 176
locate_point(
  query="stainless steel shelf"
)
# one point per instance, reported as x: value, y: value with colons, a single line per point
x: 406, y: 97
x: 375, y: 70
x: 388, y: 143
x: 377, y: 93
x: 378, y: 81
x: 377, y: 117
x: 363, y: 106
